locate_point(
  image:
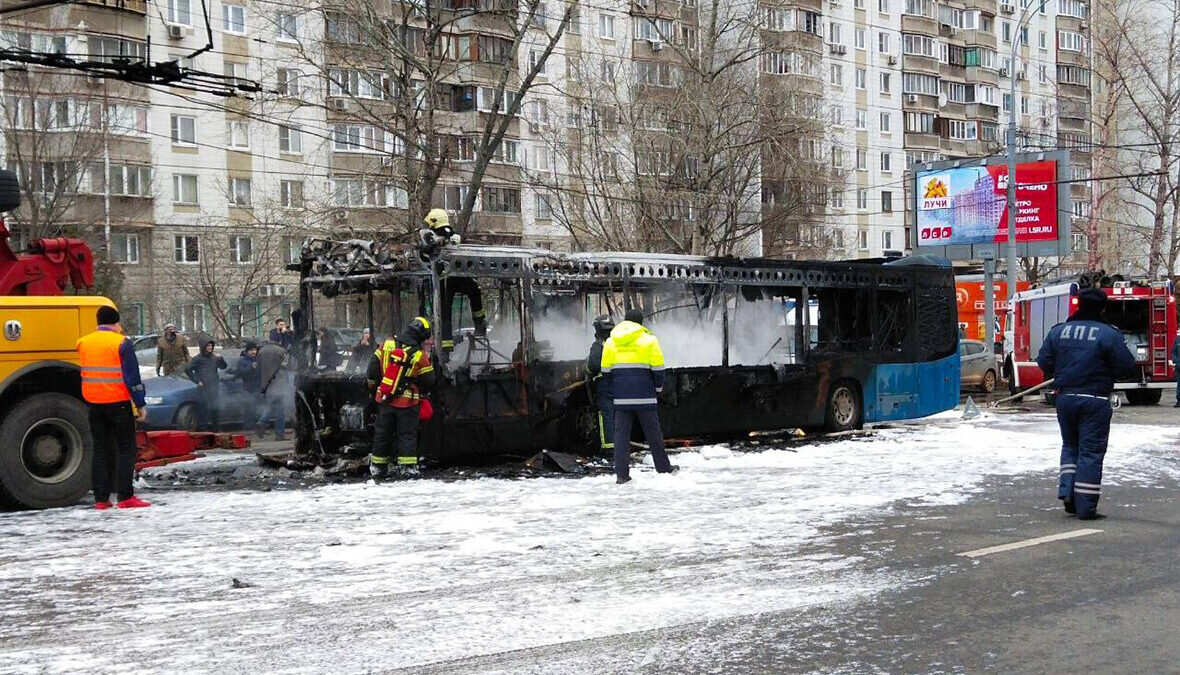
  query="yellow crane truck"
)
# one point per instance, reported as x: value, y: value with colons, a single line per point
x: 45, y: 445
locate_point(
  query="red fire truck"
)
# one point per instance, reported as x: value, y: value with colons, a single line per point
x: 1144, y: 311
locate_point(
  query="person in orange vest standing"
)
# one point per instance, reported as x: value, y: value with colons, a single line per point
x: 110, y: 385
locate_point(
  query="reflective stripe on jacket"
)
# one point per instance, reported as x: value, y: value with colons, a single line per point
x: 410, y: 395
x: 632, y: 366
x: 102, y: 367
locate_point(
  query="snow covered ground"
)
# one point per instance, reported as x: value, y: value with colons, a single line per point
x: 357, y: 578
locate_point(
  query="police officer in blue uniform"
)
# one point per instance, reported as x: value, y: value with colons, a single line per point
x: 1085, y: 356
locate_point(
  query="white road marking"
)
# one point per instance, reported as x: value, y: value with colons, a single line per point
x: 979, y: 552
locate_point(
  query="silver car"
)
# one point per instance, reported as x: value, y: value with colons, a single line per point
x: 979, y: 365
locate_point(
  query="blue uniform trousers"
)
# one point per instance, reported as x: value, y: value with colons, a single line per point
x: 1085, y: 427
x: 649, y: 420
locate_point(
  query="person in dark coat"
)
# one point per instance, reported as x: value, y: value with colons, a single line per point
x: 361, y: 352
x: 1085, y: 356
x: 329, y: 353
x: 606, y: 407
x: 245, y: 370
x: 1176, y: 366
x: 202, y: 370
x: 276, y: 390
x: 282, y: 334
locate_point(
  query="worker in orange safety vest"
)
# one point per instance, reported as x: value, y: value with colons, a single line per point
x: 401, y: 374
x: 111, y: 385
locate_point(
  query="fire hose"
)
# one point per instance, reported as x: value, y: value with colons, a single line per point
x: 1115, y: 401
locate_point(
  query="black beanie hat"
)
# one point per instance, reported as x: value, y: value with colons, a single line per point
x: 1091, y: 301
x: 107, y: 316
x: 634, y: 315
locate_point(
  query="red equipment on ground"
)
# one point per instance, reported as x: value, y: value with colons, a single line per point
x: 157, y: 448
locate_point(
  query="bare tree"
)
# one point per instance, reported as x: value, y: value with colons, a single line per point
x: 396, y: 74
x: 1137, y: 47
x: 671, y: 151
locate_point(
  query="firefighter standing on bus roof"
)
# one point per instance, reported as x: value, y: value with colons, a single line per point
x: 633, y: 373
x: 437, y: 235
x: 401, y: 374
x: 606, y: 407
x: 114, y: 392
x: 1085, y: 356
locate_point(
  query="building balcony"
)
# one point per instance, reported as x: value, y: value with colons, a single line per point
x: 920, y: 64
x: 978, y: 38
x: 929, y: 141
x: 137, y: 6
x: 919, y: 24
x: 1068, y: 58
x: 980, y: 75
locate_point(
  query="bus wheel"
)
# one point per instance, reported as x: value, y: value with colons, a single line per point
x: 1144, y: 396
x: 844, y: 411
x: 989, y: 381
x: 45, y: 451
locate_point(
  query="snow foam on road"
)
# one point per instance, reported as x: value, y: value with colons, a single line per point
x: 353, y: 578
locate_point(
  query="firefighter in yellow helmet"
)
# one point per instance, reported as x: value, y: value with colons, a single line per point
x: 400, y: 373
x: 438, y: 234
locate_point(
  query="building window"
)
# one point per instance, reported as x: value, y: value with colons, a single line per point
x: 501, y: 200
x: 837, y: 75
x: 241, y: 249
x: 184, y: 189
x: 291, y: 194
x: 184, y: 130
x: 862, y: 240
x: 860, y: 38
x: 886, y: 81
x: 862, y: 199
x: 885, y: 120
x: 180, y: 12
x: 239, y: 192
x: 544, y: 209
x: 288, y: 82
x: 862, y: 119
x: 237, y: 70
x: 537, y: 60
x: 292, y: 249
x: 237, y: 134
x: 186, y: 248
x: 883, y: 42
x: 836, y: 198
x: 886, y: 162
x: 233, y: 19
x: 290, y: 140
x: 861, y: 78
x: 887, y: 240
x: 886, y: 201
x: 606, y: 26
x: 192, y: 317
x: 862, y: 160
x: 125, y: 248
x: 288, y: 27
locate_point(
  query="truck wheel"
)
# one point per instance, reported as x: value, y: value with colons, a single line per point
x: 989, y: 381
x: 844, y: 410
x: 1144, y: 396
x: 186, y: 417
x: 45, y: 451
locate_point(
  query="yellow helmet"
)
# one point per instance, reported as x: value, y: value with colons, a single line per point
x: 437, y: 218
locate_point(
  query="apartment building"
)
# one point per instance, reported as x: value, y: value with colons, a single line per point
x: 621, y: 138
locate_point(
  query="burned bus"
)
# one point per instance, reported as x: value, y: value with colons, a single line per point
x: 750, y: 344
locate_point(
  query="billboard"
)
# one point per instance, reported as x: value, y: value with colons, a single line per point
x: 961, y: 208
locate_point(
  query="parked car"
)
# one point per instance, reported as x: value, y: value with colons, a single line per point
x: 979, y: 365
x: 172, y: 404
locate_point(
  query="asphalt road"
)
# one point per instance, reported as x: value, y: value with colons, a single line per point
x: 1108, y: 602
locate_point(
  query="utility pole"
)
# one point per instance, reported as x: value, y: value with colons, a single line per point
x: 1025, y: 16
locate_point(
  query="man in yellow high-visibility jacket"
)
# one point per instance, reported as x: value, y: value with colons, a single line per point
x: 110, y: 384
x: 632, y: 376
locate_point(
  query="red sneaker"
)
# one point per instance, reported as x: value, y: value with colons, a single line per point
x: 133, y: 503
x: 101, y: 506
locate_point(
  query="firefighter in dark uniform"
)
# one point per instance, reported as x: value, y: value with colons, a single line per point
x: 1085, y: 356
x: 438, y: 234
x: 400, y: 373
x: 606, y: 407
